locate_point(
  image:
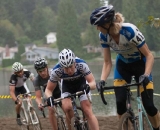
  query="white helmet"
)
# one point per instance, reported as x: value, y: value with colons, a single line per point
x: 66, y: 58
x: 17, y: 67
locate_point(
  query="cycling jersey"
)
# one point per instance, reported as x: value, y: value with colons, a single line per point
x: 19, y: 81
x: 81, y: 70
x: 71, y: 84
x: 130, y: 40
x: 39, y: 81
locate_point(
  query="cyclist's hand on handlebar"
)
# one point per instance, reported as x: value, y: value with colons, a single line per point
x: 86, y: 87
x: 40, y: 106
x: 50, y: 101
x: 144, y: 80
x: 100, y: 84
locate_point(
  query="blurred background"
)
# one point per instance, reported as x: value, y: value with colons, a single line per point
x: 42, y: 28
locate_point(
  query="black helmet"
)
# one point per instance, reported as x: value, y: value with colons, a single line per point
x: 102, y: 15
x: 40, y: 63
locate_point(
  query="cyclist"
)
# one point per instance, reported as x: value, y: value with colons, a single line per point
x: 73, y: 72
x: 41, y: 80
x: 134, y: 58
x: 18, y: 85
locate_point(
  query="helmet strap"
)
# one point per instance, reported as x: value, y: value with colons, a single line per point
x: 107, y: 28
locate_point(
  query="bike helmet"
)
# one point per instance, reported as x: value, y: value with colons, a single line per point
x: 40, y: 63
x: 102, y: 15
x: 66, y: 58
x: 17, y: 67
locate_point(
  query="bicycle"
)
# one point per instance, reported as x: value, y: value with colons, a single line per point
x: 28, y: 113
x: 60, y: 120
x: 77, y: 122
x: 129, y: 120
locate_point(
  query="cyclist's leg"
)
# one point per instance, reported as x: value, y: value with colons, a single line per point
x: 148, y: 102
x: 52, y: 118
x: 67, y: 108
x: 87, y: 109
x: 118, y: 81
x: 66, y: 103
x: 152, y: 111
x: 18, y: 91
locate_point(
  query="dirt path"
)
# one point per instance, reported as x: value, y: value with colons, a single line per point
x: 105, y: 123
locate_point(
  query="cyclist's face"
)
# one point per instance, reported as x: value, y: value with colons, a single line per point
x: 70, y: 70
x: 102, y: 30
x: 43, y: 72
x: 19, y: 73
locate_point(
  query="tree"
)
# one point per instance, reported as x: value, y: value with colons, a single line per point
x: 91, y: 34
x: 68, y: 32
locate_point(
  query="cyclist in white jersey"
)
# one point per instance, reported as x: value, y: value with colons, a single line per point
x: 18, y: 85
x: 73, y: 73
x: 134, y: 58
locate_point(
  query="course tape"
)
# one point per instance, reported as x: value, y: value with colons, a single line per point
x: 8, y: 96
x: 33, y: 97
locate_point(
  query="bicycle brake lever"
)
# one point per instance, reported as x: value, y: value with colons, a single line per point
x: 102, y: 95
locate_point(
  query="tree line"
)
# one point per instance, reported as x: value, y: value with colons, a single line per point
x: 29, y: 21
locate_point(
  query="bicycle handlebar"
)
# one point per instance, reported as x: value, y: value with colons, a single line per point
x: 114, y: 87
x: 69, y: 96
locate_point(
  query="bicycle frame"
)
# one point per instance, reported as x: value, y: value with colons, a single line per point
x: 60, y: 120
x: 76, y: 117
x: 29, y: 111
x: 141, y: 110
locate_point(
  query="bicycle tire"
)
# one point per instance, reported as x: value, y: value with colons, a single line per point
x: 127, y: 122
x: 25, y: 125
x: 75, y: 126
x: 35, y: 121
x: 61, y: 123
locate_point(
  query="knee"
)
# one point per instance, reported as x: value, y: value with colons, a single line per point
x: 121, y: 107
x: 151, y: 110
x: 51, y: 111
x: 67, y: 108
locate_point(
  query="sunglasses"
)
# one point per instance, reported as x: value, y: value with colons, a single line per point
x: 19, y: 72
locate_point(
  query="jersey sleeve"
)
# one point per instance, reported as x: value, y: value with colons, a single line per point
x: 13, y: 80
x: 138, y: 38
x: 103, y: 40
x: 83, y: 67
x: 54, y: 75
x: 36, y: 84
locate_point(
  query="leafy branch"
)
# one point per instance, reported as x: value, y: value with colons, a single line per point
x: 151, y: 21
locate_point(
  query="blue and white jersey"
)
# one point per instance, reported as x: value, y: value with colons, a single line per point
x: 129, y: 41
x: 81, y: 70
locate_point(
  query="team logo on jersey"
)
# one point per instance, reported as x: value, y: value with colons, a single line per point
x: 13, y: 82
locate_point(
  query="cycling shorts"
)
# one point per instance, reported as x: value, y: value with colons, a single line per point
x: 73, y: 87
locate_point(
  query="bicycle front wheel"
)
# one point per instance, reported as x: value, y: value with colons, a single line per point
x: 35, y: 121
x: 24, y: 120
x: 61, y: 123
x: 127, y: 122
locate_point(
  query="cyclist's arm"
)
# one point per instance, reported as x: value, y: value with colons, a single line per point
x: 38, y: 97
x: 50, y: 87
x: 91, y: 81
x: 107, y: 65
x: 12, y: 92
x: 149, y: 58
x: 31, y: 77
